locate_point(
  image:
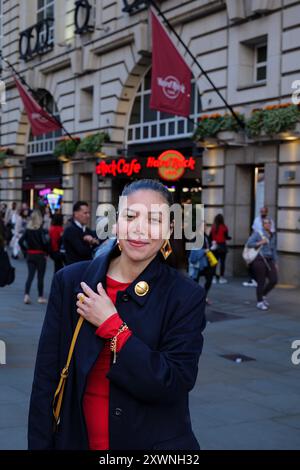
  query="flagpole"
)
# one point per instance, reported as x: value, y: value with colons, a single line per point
x: 236, y: 117
x: 34, y: 95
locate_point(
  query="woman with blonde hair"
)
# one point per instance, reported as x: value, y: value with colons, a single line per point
x: 35, y: 247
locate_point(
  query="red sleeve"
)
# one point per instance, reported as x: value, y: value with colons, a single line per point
x: 109, y: 328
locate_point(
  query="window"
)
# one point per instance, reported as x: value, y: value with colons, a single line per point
x: 87, y: 104
x: 260, y: 65
x: 45, y: 11
x: 252, y: 62
x: 149, y: 125
x: 44, y: 144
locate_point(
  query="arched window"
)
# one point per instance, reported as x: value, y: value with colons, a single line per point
x: 148, y: 125
x: 44, y: 144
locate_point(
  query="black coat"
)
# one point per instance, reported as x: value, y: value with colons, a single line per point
x: 34, y: 239
x: 76, y: 248
x: 154, y: 371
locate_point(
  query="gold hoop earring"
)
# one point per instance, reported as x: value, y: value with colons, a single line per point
x: 119, y: 246
x: 166, y: 249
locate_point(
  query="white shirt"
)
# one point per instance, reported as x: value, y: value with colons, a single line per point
x: 258, y: 224
x: 83, y: 227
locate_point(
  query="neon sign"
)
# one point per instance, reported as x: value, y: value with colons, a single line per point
x: 171, y: 165
x: 119, y: 167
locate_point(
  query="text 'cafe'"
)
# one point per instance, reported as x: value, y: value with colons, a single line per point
x: 180, y: 173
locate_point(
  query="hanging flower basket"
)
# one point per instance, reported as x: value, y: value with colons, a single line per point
x: 276, y: 122
x: 93, y: 143
x: 66, y: 148
x: 222, y: 128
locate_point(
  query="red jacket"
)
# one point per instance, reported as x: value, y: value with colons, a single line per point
x: 219, y: 235
x: 55, y: 233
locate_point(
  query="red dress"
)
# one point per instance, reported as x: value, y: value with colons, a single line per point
x: 96, y: 396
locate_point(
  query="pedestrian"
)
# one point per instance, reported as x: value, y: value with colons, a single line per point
x: 199, y: 265
x: 136, y: 355
x: 257, y: 226
x: 55, y: 233
x: 10, y: 220
x: 219, y: 236
x: 35, y: 246
x: 264, y: 266
x: 7, y: 272
x: 47, y: 219
x: 19, y: 228
x: 78, y: 240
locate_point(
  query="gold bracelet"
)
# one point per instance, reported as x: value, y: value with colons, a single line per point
x: 113, y: 341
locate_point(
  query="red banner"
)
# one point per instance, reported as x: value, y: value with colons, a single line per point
x: 41, y: 122
x: 171, y: 76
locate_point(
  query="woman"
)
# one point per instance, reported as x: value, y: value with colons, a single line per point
x: 20, y: 227
x: 136, y: 398
x: 7, y: 272
x: 55, y: 234
x: 34, y: 245
x: 265, y: 264
x: 219, y: 236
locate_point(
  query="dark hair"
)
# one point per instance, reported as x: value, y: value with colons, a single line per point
x: 219, y: 220
x: 78, y: 204
x: 152, y: 185
x: 57, y: 219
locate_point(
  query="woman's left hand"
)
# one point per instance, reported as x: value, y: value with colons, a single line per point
x: 95, y: 308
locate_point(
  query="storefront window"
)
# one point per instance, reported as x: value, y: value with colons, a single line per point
x: 150, y: 125
x: 44, y: 144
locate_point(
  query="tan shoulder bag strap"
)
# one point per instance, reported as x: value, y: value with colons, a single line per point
x: 58, y: 396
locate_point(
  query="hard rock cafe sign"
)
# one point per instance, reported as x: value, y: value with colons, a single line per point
x: 171, y: 166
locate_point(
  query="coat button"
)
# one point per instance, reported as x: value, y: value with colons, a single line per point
x: 125, y: 297
x: 118, y: 411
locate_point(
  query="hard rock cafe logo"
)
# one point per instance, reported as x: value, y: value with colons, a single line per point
x: 170, y: 165
x: 171, y: 86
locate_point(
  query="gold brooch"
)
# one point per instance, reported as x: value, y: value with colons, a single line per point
x: 141, y: 288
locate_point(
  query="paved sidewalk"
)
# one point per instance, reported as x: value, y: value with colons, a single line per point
x: 234, y: 405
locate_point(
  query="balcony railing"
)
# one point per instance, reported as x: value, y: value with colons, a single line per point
x: 37, y: 40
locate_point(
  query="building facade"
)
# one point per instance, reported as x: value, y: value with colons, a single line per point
x: 90, y: 62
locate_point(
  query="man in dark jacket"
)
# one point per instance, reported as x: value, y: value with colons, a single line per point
x: 78, y: 240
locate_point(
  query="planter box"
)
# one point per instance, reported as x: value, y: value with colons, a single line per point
x: 232, y: 138
x: 84, y: 156
x: 227, y: 136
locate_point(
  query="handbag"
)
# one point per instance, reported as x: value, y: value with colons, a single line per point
x: 59, y: 393
x: 249, y: 254
x: 212, y: 260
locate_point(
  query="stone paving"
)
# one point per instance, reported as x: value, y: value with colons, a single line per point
x: 235, y: 405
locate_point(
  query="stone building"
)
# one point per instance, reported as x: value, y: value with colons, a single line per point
x: 90, y: 61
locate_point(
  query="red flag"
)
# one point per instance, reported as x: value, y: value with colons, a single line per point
x: 41, y: 122
x: 171, y: 76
